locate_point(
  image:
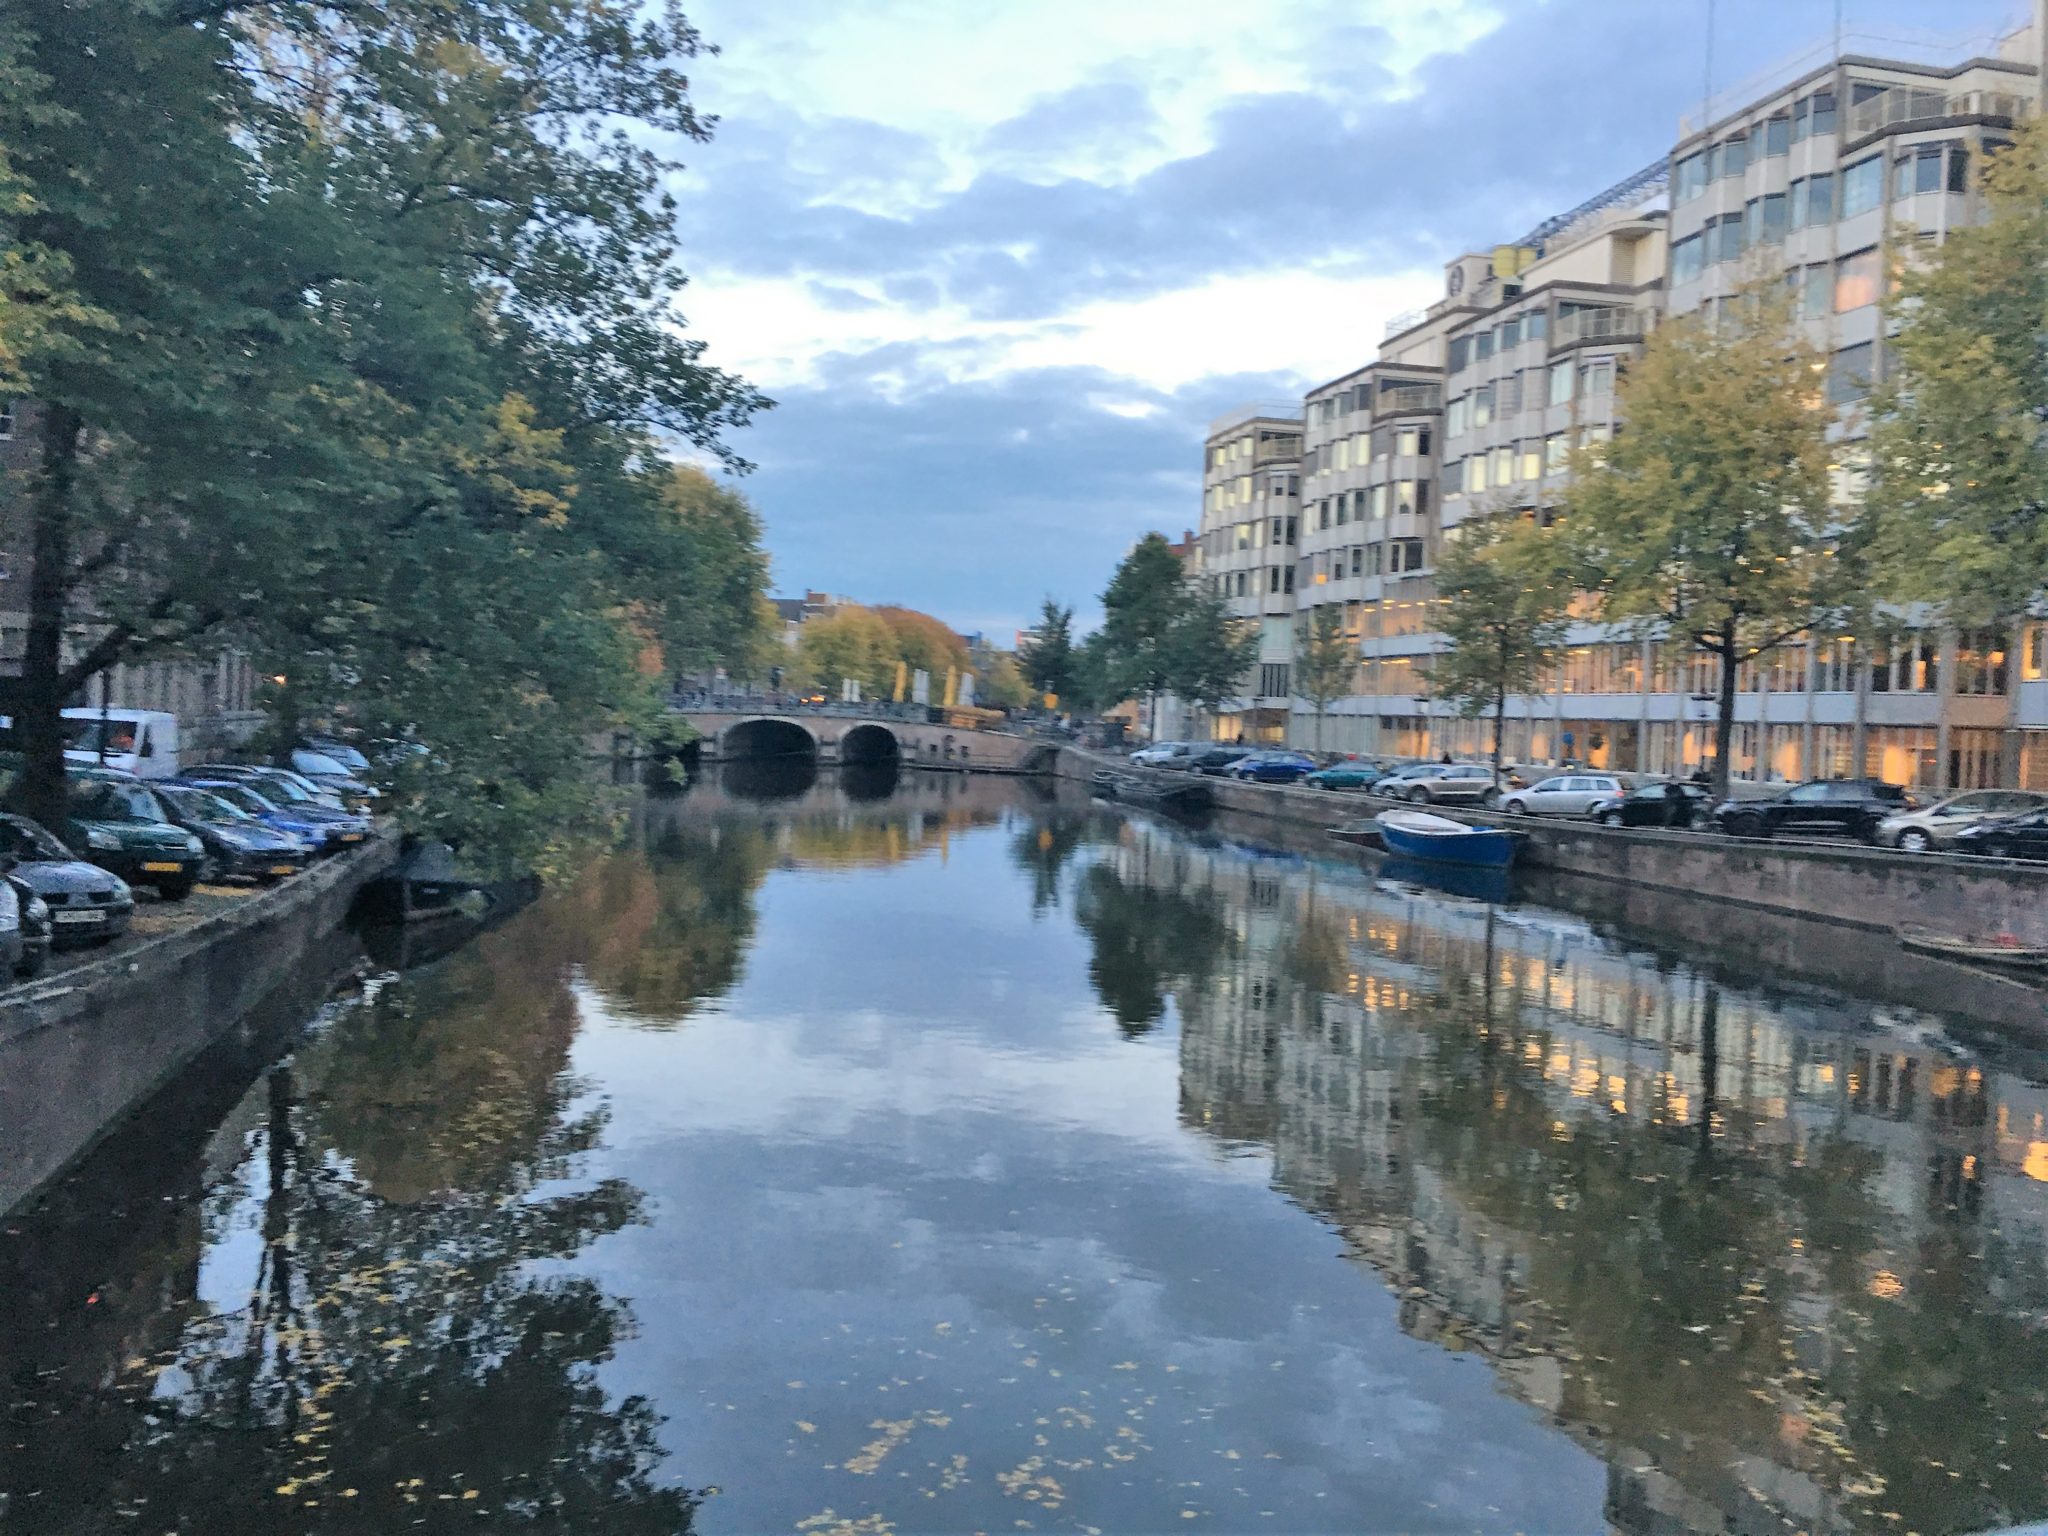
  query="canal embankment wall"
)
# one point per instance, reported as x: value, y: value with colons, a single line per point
x: 1845, y: 885
x: 79, y: 1052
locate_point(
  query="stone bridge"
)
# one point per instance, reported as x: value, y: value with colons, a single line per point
x: 846, y: 738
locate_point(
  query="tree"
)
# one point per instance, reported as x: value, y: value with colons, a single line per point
x: 1708, y: 516
x: 1957, y: 514
x: 1142, y: 607
x: 1325, y: 660
x: 850, y: 642
x: 1047, y: 655
x: 1211, y: 650
x: 716, y: 614
x: 923, y: 643
x: 1505, y: 596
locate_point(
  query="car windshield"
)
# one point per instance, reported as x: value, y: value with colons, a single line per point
x: 242, y: 798
x: 99, y: 735
x: 287, y: 787
x: 319, y: 762
x: 30, y: 840
x: 342, y: 753
x: 200, y: 804
x: 120, y: 802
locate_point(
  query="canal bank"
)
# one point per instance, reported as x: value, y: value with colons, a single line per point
x: 1872, y: 889
x: 81, y: 1051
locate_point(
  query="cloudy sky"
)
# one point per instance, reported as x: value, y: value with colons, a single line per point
x: 1000, y: 261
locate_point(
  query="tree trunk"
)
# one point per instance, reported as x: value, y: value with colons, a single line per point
x: 1500, y: 725
x: 38, y: 722
x: 1724, y: 718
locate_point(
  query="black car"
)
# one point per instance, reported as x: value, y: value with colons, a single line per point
x: 1656, y: 805
x: 2009, y: 837
x: 1215, y: 760
x: 88, y: 904
x: 237, y: 844
x: 1820, y: 808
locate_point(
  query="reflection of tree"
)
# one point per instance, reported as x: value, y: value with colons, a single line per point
x: 1044, y: 848
x: 1146, y: 940
x: 398, y: 1364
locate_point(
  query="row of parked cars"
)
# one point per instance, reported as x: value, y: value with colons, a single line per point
x: 74, y: 885
x: 1996, y: 823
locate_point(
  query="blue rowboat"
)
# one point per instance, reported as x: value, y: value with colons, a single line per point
x: 1419, y: 835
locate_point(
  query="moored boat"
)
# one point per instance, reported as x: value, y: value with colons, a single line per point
x: 1419, y: 835
x: 2000, y: 949
x: 1358, y: 834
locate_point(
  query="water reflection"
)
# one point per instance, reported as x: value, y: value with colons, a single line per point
x: 910, y: 1163
x: 1778, y: 1257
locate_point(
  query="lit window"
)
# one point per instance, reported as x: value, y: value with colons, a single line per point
x: 1856, y: 280
x: 1561, y: 383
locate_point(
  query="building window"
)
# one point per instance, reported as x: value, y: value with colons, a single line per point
x: 1685, y: 259
x: 1557, y: 452
x: 1535, y: 325
x: 1405, y: 497
x: 1980, y: 664
x: 1856, y: 280
x: 1503, y: 466
x: 1454, y: 417
x: 1598, y: 378
x: 1909, y: 664
x: 1482, y: 406
x: 1862, y: 186
x: 1404, y: 555
x: 1461, y: 353
x: 1273, y: 680
x: 1823, y: 111
x: 1406, y: 441
x: 1532, y: 462
x: 1358, y: 559
x: 1849, y: 374
x: 1771, y: 231
x: 1561, y: 383
x: 1816, y: 291
x: 1475, y: 472
x: 1379, y: 501
x: 1454, y: 480
x: 1689, y: 177
x: 1778, y: 135
x: 1730, y: 157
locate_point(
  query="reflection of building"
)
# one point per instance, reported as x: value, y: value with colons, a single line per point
x: 1588, y: 1164
x: 1822, y: 180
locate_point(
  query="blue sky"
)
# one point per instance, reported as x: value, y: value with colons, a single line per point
x: 1000, y: 262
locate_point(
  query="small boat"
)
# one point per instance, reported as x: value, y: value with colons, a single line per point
x: 2000, y: 949
x: 1419, y: 835
x: 1358, y: 834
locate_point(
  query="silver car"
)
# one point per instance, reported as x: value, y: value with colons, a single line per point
x: 1566, y: 794
x: 1935, y: 826
x: 1457, y: 783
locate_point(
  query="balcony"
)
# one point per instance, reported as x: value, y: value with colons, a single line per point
x: 1409, y: 397
x: 1904, y: 106
x: 1616, y: 324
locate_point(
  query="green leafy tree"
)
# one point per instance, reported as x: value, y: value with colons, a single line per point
x: 1142, y: 607
x: 1325, y: 660
x: 715, y: 612
x: 849, y: 643
x: 1708, y: 516
x: 1211, y: 650
x: 1047, y: 656
x: 1958, y: 505
x: 1506, y: 596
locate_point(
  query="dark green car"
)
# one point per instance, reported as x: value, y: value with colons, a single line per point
x: 116, y: 822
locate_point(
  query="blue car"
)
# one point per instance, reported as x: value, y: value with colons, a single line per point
x: 321, y: 829
x: 1272, y: 768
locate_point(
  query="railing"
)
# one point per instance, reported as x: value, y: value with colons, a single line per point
x: 1408, y: 397
x: 1618, y: 323
x: 1404, y: 320
x: 1905, y: 104
x: 790, y: 704
x: 1281, y: 448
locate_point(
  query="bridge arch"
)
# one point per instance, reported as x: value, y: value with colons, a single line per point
x: 869, y: 743
x: 768, y: 737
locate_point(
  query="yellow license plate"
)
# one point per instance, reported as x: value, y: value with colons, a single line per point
x: 351, y: 837
x: 283, y: 869
x: 162, y: 869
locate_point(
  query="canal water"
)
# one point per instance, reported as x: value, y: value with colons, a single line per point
x: 868, y: 1157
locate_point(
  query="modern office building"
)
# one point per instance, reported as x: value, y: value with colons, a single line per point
x: 1246, y: 550
x: 1813, y: 178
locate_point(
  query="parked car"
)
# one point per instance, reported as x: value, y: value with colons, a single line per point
x: 34, y: 929
x: 1564, y: 794
x: 351, y: 758
x: 237, y: 844
x: 274, y: 783
x: 1355, y: 773
x: 1937, y: 825
x: 1272, y: 768
x: 1655, y: 805
x: 1215, y: 762
x: 330, y: 773
x: 1163, y: 754
x: 1429, y: 783
x: 121, y: 826
x: 2007, y: 837
x: 324, y: 828
x: 87, y: 904
x: 1819, y: 808
x: 142, y: 742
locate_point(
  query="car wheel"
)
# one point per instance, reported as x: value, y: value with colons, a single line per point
x: 1418, y: 796
x: 1913, y: 840
x: 1516, y: 807
x: 176, y: 890
x: 1611, y: 819
x: 1748, y: 826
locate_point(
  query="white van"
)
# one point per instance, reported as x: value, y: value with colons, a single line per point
x: 143, y: 742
